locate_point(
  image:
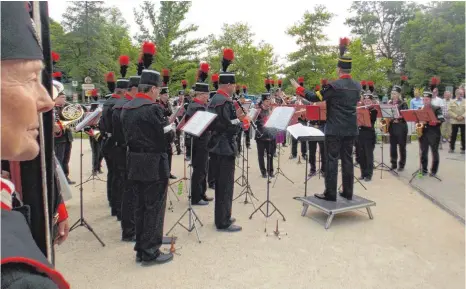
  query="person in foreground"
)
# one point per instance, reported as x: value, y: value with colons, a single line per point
x: 341, y: 130
x: 22, y: 99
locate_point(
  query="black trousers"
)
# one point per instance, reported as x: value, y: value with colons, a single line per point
x: 119, y: 177
x: 199, y: 177
x: 151, y: 199
x: 110, y: 171
x: 239, y: 139
x: 366, y: 146
x: 294, y: 147
x: 63, y: 153
x: 357, y: 149
x: 267, y: 148
x: 398, y: 138
x: 177, y: 141
x: 212, y: 172
x: 128, y: 207
x: 312, y: 155
x: 430, y: 138
x: 96, y: 154
x: 454, y: 134
x: 339, y: 147
x: 187, y: 144
x: 224, y: 184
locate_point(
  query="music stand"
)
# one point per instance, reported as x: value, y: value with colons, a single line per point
x: 184, y: 178
x: 317, y: 112
x: 387, y: 111
x: 195, y: 126
x: 279, y: 140
x: 419, y: 116
x: 81, y: 222
x: 278, y: 120
x: 253, y: 113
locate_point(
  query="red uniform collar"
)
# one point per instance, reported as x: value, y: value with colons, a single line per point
x: 196, y: 100
x: 128, y: 97
x: 142, y: 95
x: 114, y: 95
x: 220, y: 91
x: 345, y: 76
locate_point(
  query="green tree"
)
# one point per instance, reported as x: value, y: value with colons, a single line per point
x: 379, y: 24
x: 252, y: 63
x: 174, y: 50
x: 434, y: 44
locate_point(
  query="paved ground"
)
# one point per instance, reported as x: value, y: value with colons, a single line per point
x: 411, y: 243
x: 449, y: 193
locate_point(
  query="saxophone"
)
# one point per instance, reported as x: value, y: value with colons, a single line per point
x: 419, y: 129
x: 385, y: 125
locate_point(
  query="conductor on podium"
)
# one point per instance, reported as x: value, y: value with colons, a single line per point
x: 223, y: 147
x: 341, y: 129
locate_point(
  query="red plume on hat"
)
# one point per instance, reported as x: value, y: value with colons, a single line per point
x: 214, y: 77
x: 94, y: 92
x: 317, y: 88
x: 184, y: 84
x: 370, y: 84
x: 363, y: 84
x: 434, y: 82
x: 228, y: 56
x: 124, y: 62
x: 279, y: 82
x: 245, y: 88
x: 57, y: 75
x: 110, y: 79
x: 203, y: 71
x: 148, y: 51
x: 166, y: 76
x: 403, y: 78
x: 55, y: 57
x: 344, y: 43
x: 324, y: 82
x: 301, y: 81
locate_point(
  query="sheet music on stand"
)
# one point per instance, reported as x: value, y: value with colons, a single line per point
x: 280, y: 118
x: 301, y: 132
x: 246, y: 105
x: 389, y: 111
x: 88, y: 119
x: 198, y: 123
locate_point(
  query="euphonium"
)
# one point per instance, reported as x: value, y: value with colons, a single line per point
x: 419, y: 129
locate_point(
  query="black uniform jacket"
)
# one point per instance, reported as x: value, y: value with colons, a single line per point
x: 342, y: 96
x: 225, y: 127
x: 262, y: 132
x: 143, y: 121
x: 106, y: 121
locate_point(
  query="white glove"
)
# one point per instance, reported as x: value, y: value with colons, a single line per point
x: 169, y: 128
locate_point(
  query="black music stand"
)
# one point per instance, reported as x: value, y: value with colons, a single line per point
x: 279, y: 170
x: 245, y: 178
x: 196, y: 126
x: 387, y: 112
x: 242, y: 177
x: 278, y: 120
x: 316, y: 113
x: 419, y: 116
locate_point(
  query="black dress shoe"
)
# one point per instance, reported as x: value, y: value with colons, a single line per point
x: 129, y: 239
x: 312, y: 173
x: 264, y: 175
x: 70, y: 181
x: 231, y: 228
x: 172, y: 177
x: 232, y: 220
x: 158, y: 258
x: 207, y: 199
x: 433, y: 174
x: 393, y: 168
x: 324, y: 197
x: 201, y: 203
x: 113, y: 212
x: 345, y: 196
x: 400, y: 169
x: 361, y: 178
x: 271, y: 174
x: 367, y: 179
x: 138, y: 257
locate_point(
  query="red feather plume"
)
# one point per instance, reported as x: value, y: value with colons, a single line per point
x: 110, y: 77
x: 228, y: 54
x: 435, y: 81
x: 214, y: 77
x: 244, y: 87
x: 344, y: 41
x: 317, y: 87
x: 94, y: 92
x: 56, y: 74
x: 149, y: 48
x: 300, y: 79
x: 165, y: 72
x: 266, y: 81
x: 363, y: 83
x: 370, y: 83
x: 404, y: 77
x: 324, y: 81
x: 279, y: 82
x: 272, y: 82
x: 124, y: 60
x: 183, y: 82
x: 55, y: 56
x: 204, y: 67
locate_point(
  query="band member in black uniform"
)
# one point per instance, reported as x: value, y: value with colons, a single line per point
x: 212, y: 170
x: 398, y: 131
x: 242, y: 100
x: 178, y: 102
x: 23, y: 99
x: 320, y: 125
x: 265, y: 139
x: 144, y: 127
x: 302, y: 120
x: 223, y: 147
x: 95, y: 139
x: 431, y: 132
x: 167, y: 111
x: 187, y: 138
x: 367, y: 138
x: 341, y: 130
x: 200, y: 155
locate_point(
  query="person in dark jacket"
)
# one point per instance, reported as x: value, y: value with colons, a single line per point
x: 265, y: 139
x: 223, y: 147
x: 367, y: 138
x: 398, y: 131
x: 341, y: 129
x: 23, y: 263
x: 212, y: 172
x: 200, y: 155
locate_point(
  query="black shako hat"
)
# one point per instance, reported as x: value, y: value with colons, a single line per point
x: 122, y: 83
x: 265, y: 96
x: 150, y: 77
x: 19, y: 37
x: 134, y: 81
x: 397, y: 88
x: 203, y: 73
x: 226, y: 77
x: 344, y: 62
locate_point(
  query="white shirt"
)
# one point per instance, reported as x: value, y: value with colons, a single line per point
x: 437, y: 101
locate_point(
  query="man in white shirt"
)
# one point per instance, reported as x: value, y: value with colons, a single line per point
x: 437, y: 101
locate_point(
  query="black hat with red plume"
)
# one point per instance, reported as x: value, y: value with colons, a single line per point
x: 57, y: 75
x: 434, y: 82
x: 201, y: 84
x: 55, y: 57
x: 166, y: 79
x: 370, y: 85
x: 301, y: 81
x: 267, y: 84
x: 215, y: 77
x: 344, y: 62
x: 363, y: 85
x: 123, y: 83
x: 245, y: 89
x: 226, y: 77
x: 280, y: 82
x: 184, y: 84
x: 238, y: 89
x: 403, y: 79
x: 110, y: 79
x: 324, y: 82
x: 272, y: 82
x: 148, y: 76
x: 148, y: 52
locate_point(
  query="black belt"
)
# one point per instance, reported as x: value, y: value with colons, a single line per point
x: 144, y: 150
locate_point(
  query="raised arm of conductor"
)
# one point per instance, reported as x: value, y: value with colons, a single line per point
x: 312, y: 96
